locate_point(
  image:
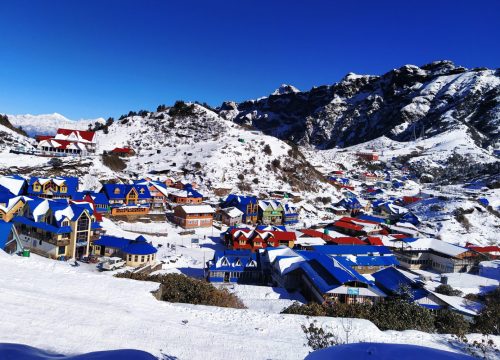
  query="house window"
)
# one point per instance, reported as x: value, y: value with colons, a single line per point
x: 36, y: 187
x: 129, y: 257
x: 141, y: 191
x: 136, y: 258
x: 61, y: 250
x: 63, y: 189
x: 1, y: 215
x: 117, y: 191
x: 142, y: 258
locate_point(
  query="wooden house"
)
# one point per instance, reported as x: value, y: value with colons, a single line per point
x: 193, y: 216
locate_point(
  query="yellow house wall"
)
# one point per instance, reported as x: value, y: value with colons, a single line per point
x: 138, y: 263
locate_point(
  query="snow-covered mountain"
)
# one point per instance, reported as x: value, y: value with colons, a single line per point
x: 285, y: 89
x: 212, y: 151
x: 402, y: 104
x: 47, y: 124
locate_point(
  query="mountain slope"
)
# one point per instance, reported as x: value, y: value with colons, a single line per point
x: 402, y: 104
x: 212, y: 151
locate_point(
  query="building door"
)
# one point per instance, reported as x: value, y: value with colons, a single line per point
x: 226, y: 276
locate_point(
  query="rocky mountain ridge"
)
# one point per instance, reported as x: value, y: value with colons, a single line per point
x: 403, y: 104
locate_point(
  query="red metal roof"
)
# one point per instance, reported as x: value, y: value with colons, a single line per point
x: 373, y: 240
x: 43, y: 137
x: 87, y: 135
x: 125, y: 150
x: 356, y: 220
x: 484, y: 249
x: 347, y: 225
x: 348, y: 240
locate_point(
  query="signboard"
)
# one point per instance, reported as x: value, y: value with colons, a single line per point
x: 352, y: 291
x: 275, y: 212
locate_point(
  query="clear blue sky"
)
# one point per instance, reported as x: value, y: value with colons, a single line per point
x: 89, y: 58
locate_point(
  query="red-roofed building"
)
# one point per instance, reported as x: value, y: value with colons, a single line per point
x: 67, y: 142
x: 368, y: 155
x: 125, y: 151
x: 343, y: 240
x: 374, y: 240
x: 246, y: 239
x: 492, y: 251
x: 357, y: 227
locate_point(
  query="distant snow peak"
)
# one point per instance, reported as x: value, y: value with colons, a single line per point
x: 285, y: 89
x: 46, y: 124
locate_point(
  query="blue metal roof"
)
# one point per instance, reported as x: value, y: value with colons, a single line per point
x: 41, y: 225
x: 139, y: 246
x: 124, y: 189
x: 371, y: 218
x: 391, y: 280
x: 5, y: 230
x: 352, y: 249
x: 237, y: 260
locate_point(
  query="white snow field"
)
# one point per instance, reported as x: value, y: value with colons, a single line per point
x: 56, y: 307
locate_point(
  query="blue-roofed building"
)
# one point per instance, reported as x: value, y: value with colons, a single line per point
x: 235, y: 266
x: 56, y: 228
x: 128, y: 199
x: 100, y: 200
x: 135, y: 253
x: 187, y: 195
x: 320, y: 277
x: 61, y: 187
x: 394, y: 283
x: 365, y: 259
x: 351, y: 204
x: 9, y: 238
x: 290, y: 214
x: 248, y: 205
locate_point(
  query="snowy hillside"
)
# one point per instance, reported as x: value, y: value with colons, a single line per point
x: 47, y: 124
x: 212, y: 151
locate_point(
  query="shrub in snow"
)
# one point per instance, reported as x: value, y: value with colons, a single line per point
x: 446, y: 289
x: 182, y: 289
x: 488, y: 320
x: 449, y: 322
x: 318, y: 338
x: 267, y: 150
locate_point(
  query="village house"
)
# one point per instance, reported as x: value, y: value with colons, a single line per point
x: 186, y: 196
x: 357, y: 227
x: 270, y: 212
x: 193, y: 216
x: 365, y: 259
x: 11, y: 206
x: 248, y: 205
x: 433, y: 254
x: 231, y: 216
x: 368, y: 155
x: 99, y: 201
x: 124, y: 151
x: 247, y: 239
x: 159, y: 194
x: 290, y: 214
x: 320, y: 277
x: 68, y: 142
x: 56, y: 228
x: 135, y: 253
x: 234, y: 266
x: 128, y: 199
x: 60, y: 187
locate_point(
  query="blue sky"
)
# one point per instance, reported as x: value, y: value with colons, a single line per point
x: 87, y: 59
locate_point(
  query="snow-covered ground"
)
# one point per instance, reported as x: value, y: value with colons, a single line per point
x: 65, y: 309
